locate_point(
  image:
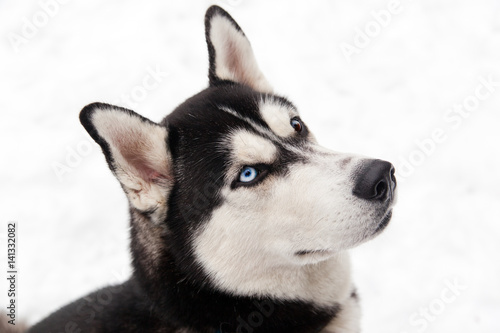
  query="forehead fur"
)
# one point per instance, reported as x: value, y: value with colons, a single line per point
x: 245, y: 103
x: 251, y: 148
x: 277, y: 116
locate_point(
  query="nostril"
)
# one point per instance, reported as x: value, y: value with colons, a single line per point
x: 393, y: 175
x: 380, y: 190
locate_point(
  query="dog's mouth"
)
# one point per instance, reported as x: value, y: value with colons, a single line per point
x: 319, y: 253
x: 325, y: 253
x: 383, y: 222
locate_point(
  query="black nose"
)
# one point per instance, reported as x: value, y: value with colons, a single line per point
x: 375, y: 180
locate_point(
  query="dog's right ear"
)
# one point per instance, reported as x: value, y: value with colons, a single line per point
x: 137, y: 153
x: 230, y: 54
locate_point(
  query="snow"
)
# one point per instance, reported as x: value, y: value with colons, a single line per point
x: 399, y: 89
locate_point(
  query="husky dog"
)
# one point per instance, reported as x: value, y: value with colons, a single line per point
x: 240, y: 220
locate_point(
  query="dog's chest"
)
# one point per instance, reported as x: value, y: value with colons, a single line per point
x: 343, y: 318
x: 323, y: 301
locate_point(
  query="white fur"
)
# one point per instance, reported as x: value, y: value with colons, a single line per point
x: 249, y: 148
x: 250, y: 271
x: 347, y: 321
x: 140, y: 157
x: 278, y: 117
x: 234, y: 58
x: 249, y: 246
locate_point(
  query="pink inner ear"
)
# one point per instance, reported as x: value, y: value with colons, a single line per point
x: 144, y: 152
x: 234, y: 60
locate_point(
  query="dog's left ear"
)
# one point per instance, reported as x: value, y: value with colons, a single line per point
x: 230, y: 54
x: 137, y: 153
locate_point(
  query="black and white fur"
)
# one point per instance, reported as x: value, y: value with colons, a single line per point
x: 212, y: 253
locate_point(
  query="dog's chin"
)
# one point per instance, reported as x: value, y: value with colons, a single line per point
x: 377, y: 227
x: 311, y: 256
x: 383, y: 223
x: 373, y: 230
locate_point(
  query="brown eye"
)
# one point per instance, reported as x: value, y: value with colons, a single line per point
x: 296, y: 124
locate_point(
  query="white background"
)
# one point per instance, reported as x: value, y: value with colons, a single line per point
x: 430, y: 56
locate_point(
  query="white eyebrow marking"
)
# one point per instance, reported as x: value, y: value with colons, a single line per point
x: 259, y: 128
x: 267, y: 133
x: 277, y: 117
x: 251, y: 148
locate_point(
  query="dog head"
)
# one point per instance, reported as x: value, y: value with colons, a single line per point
x: 234, y: 177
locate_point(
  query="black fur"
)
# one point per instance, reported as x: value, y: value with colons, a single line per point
x: 126, y: 309
x: 169, y: 291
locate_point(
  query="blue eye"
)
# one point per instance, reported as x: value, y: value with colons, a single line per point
x: 248, y: 174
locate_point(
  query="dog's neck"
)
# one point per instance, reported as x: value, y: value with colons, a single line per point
x: 323, y: 283
x: 311, y: 292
